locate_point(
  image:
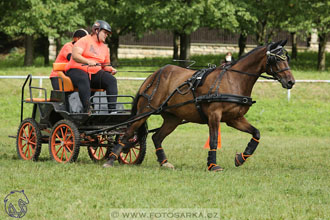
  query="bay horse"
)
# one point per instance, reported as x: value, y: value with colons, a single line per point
x: 221, y: 94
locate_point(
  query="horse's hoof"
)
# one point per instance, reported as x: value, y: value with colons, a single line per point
x: 167, y: 165
x: 216, y: 168
x: 239, y: 160
x: 108, y: 164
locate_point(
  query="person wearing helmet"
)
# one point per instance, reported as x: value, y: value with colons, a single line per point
x: 65, y: 55
x: 96, y: 73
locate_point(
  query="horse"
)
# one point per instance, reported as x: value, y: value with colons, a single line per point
x: 210, y: 96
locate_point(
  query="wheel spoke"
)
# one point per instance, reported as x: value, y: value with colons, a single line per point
x: 66, y: 133
x: 93, y: 151
x: 62, y: 153
x: 101, y: 151
x: 27, y: 149
x: 33, y: 137
x: 69, y: 149
x: 66, y: 156
x: 126, y: 156
x: 58, y: 137
x: 68, y: 143
x: 25, y: 133
x: 58, y: 150
x: 61, y: 129
x: 23, y: 145
x: 33, y: 143
x: 70, y: 137
x: 22, y: 138
x: 130, y: 156
x: 57, y: 143
x: 134, y: 152
x: 98, y: 152
x: 30, y: 129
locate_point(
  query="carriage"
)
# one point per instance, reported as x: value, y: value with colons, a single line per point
x: 179, y: 95
x: 59, y: 122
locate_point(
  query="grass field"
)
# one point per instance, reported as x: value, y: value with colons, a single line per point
x: 287, y: 177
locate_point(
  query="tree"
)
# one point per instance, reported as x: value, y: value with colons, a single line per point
x: 246, y: 23
x: 319, y: 13
x: 66, y: 16
x: 124, y: 17
x: 35, y: 18
x: 269, y: 16
x: 183, y: 17
x: 296, y: 24
x: 309, y: 15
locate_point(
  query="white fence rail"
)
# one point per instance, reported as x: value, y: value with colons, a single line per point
x: 143, y: 78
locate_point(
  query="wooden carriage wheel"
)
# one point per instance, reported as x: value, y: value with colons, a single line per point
x: 28, y: 140
x: 64, y: 142
x: 99, y: 153
x: 135, y: 154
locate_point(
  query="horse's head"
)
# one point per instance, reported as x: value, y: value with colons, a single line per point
x: 278, y: 64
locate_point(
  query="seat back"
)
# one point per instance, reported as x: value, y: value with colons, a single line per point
x: 66, y: 85
x: 64, y: 82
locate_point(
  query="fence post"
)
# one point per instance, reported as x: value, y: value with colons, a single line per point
x: 289, y: 94
x: 40, y: 85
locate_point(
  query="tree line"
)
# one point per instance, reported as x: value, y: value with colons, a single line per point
x: 36, y: 20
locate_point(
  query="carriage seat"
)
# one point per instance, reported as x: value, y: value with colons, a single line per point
x: 67, y: 85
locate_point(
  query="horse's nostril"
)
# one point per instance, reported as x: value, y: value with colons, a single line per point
x: 290, y: 83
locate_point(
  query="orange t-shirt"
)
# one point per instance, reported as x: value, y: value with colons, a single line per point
x: 97, y: 51
x: 61, y: 57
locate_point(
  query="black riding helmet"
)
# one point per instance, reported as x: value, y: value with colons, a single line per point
x: 100, y: 25
x: 80, y: 33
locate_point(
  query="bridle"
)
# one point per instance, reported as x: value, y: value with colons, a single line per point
x: 274, y: 56
x: 279, y: 54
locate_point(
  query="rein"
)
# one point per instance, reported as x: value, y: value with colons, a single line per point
x: 253, y: 75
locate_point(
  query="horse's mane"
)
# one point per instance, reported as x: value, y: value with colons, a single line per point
x: 245, y: 55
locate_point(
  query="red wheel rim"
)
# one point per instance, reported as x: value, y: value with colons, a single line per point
x: 27, y: 141
x: 98, y: 153
x: 63, y: 142
x: 131, y: 156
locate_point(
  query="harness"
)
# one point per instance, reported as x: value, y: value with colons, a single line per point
x: 190, y: 85
x: 197, y: 79
x: 213, y: 95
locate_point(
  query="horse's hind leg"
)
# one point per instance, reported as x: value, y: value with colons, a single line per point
x: 243, y: 125
x: 169, y: 124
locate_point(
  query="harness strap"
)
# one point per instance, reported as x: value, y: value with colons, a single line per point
x: 243, y: 100
x: 254, y: 75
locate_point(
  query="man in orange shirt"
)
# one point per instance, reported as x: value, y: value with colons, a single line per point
x: 65, y: 55
x: 95, y: 54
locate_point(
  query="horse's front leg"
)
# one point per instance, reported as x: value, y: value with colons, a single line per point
x: 243, y: 125
x: 170, y: 123
x: 214, y: 123
x: 122, y: 143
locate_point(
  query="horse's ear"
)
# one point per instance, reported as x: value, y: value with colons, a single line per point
x: 274, y: 45
x: 283, y: 42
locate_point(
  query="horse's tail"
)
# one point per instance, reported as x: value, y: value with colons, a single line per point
x: 143, y: 129
x: 134, y: 104
x: 150, y: 79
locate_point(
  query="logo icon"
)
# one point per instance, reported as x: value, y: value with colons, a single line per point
x: 16, y: 204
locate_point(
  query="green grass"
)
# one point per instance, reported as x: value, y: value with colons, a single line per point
x: 287, y: 177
